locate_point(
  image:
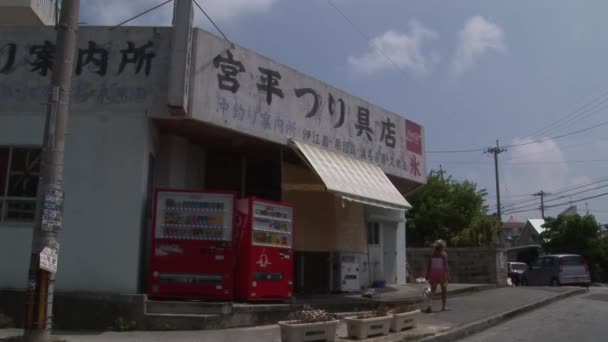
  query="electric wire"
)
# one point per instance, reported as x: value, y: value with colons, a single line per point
x: 211, y: 20
x: 142, y: 14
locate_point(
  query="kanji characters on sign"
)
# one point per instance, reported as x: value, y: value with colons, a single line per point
x: 93, y: 57
x: 229, y: 68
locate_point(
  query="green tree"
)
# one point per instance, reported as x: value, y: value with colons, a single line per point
x: 598, y: 262
x: 448, y: 209
x: 570, y: 234
x: 579, y: 235
x: 481, y: 232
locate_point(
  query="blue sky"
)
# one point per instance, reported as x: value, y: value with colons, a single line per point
x: 470, y: 71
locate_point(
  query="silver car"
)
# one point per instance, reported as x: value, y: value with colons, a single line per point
x: 556, y: 270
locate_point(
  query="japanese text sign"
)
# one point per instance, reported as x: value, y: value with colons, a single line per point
x: 241, y: 90
x: 123, y: 67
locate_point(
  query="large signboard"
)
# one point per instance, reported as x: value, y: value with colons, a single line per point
x: 122, y: 67
x: 236, y: 88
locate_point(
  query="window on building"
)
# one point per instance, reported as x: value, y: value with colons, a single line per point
x: 19, y: 173
x: 373, y: 233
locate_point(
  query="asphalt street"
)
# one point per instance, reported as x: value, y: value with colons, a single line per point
x: 580, y: 318
x: 465, y: 308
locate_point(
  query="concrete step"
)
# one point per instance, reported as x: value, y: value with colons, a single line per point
x: 182, y: 322
x: 187, y: 307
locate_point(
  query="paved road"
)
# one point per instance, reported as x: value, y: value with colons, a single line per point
x: 581, y: 318
x: 465, y: 309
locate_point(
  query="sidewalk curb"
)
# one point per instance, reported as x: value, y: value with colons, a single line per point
x: 483, y: 324
x: 419, y: 299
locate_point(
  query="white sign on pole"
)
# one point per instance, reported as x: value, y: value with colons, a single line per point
x: 52, y: 210
x: 243, y: 91
x: 48, y: 259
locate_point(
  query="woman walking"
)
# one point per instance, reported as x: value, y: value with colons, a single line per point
x: 437, y: 273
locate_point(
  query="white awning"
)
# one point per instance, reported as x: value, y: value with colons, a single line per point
x: 353, y: 179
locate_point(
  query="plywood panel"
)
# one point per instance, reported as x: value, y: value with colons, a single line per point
x: 323, y: 223
x: 350, y: 226
x: 315, y: 224
x: 315, y: 212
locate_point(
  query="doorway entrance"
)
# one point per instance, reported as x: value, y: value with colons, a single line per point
x: 374, y: 250
x: 382, y: 251
x: 389, y: 252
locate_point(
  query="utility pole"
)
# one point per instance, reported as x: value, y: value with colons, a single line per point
x: 441, y: 171
x: 542, y: 195
x: 49, y: 208
x: 496, y: 151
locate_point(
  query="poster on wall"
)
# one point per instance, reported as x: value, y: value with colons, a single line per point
x: 48, y: 259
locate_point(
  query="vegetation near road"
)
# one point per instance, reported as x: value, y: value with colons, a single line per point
x: 452, y: 210
x: 579, y: 235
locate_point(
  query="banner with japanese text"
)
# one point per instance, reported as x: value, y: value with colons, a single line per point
x: 236, y: 88
x: 122, y: 68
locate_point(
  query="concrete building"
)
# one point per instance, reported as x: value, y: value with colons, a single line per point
x: 570, y: 211
x: 163, y: 107
x: 28, y: 12
x: 531, y: 233
x: 510, y: 232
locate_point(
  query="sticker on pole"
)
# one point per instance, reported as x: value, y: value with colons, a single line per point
x: 48, y: 259
x: 52, y: 210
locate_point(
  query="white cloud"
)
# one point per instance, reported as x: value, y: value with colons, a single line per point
x: 111, y: 12
x: 535, y: 167
x: 478, y: 37
x: 405, y: 50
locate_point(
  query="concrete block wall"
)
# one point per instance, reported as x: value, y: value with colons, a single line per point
x: 467, y: 265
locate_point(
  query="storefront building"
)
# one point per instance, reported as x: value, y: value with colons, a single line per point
x: 160, y: 108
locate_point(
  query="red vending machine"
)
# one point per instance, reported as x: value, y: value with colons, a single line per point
x: 265, y: 250
x: 192, y: 249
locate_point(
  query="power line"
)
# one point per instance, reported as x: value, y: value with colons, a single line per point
x: 560, y: 191
x: 581, y: 185
x: 559, y: 136
x: 589, y: 113
x: 558, y: 198
x: 562, y: 147
x: 142, y: 13
x: 363, y: 34
x: 564, y: 203
x: 458, y: 151
x: 568, y: 117
x: 211, y: 20
x: 576, y: 193
x: 520, y: 204
x: 517, y: 162
x: 526, y: 143
x: 366, y: 37
x: 509, y: 206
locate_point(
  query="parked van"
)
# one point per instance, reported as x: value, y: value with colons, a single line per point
x: 556, y: 270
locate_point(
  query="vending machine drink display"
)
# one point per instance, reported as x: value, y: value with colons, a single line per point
x: 265, y: 255
x: 192, y: 250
